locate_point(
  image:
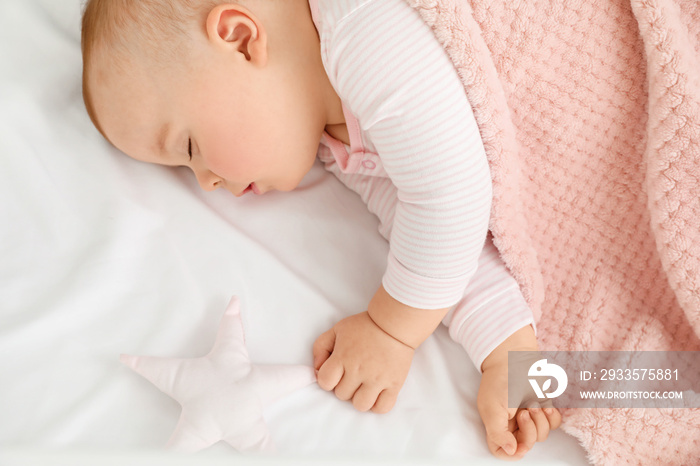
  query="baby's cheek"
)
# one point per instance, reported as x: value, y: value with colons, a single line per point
x: 231, y: 162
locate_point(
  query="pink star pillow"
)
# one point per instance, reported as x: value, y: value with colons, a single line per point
x: 222, y: 394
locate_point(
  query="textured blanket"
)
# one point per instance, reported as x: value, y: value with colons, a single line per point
x: 590, y: 114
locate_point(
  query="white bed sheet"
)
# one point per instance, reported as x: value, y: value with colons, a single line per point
x: 103, y: 255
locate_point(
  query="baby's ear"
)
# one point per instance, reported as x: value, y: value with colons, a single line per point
x: 237, y: 29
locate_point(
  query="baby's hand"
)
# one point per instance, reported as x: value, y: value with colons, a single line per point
x: 362, y: 363
x: 511, y: 432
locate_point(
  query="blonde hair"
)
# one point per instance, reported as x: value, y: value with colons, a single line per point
x: 156, y: 29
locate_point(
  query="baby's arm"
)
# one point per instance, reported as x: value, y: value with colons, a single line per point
x: 413, y: 110
x: 366, y: 357
x: 492, y: 319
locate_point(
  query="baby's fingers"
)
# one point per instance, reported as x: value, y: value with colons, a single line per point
x: 526, y: 433
x: 365, y: 397
x: 323, y: 347
x: 541, y: 422
x: 499, y: 436
x: 385, y: 401
x: 554, y: 417
x: 346, y: 387
x: 330, y: 374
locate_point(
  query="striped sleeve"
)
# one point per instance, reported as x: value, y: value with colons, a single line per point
x: 397, y: 80
x: 492, y: 308
x: 422, y: 139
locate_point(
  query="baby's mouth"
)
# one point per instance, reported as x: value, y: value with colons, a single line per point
x: 251, y: 187
x: 248, y: 189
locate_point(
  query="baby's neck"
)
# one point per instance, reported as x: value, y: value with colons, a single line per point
x: 293, y: 38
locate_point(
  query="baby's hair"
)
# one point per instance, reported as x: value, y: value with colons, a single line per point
x: 155, y: 29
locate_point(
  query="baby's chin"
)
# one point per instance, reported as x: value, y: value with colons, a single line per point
x: 289, y: 185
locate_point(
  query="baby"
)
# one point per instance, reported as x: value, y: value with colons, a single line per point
x: 244, y: 92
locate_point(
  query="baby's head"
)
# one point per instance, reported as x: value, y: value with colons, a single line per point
x: 236, y: 91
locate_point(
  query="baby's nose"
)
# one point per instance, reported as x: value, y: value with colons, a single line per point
x: 207, y: 180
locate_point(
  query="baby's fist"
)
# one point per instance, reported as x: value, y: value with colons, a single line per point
x: 512, y: 432
x: 359, y: 362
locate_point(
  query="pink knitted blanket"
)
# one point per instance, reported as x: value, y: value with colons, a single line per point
x: 590, y: 113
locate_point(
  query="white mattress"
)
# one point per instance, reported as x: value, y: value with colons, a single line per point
x: 103, y: 255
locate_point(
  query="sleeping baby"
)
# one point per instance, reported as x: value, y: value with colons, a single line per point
x: 248, y: 94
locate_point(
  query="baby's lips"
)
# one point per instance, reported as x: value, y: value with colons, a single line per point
x: 245, y: 191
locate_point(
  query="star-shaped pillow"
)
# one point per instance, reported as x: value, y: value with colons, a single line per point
x: 222, y: 394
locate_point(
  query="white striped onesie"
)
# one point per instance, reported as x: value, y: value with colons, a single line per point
x: 417, y: 160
